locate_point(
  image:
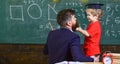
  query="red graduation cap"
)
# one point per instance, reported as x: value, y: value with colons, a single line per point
x: 94, y: 6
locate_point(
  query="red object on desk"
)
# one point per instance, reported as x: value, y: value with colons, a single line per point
x: 107, y: 58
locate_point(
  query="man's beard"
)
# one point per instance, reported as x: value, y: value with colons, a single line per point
x: 75, y: 26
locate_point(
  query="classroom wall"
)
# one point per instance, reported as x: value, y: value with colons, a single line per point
x: 29, y: 21
x: 32, y: 54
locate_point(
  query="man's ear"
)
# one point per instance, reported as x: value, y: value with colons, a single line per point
x: 68, y: 23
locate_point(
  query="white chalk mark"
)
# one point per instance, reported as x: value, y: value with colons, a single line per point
x: 39, y: 9
x: 51, y: 26
x: 25, y: 1
x: 108, y: 8
x: 114, y: 34
x: 85, y: 26
x: 118, y: 32
x: 116, y: 7
x: 42, y: 1
x: 107, y: 33
x: 50, y: 7
x: 81, y: 4
x: 13, y: 10
x: 107, y: 20
x: 71, y: 4
x: 117, y: 20
x: 31, y: 1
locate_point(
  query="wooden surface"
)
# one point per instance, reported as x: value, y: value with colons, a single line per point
x: 32, y: 54
x: 116, y: 55
x: 93, y: 62
x: 116, y: 58
x: 116, y: 62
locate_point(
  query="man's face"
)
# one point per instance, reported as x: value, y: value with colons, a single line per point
x: 74, y: 23
x: 75, y: 26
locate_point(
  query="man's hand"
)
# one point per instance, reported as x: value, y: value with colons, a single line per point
x: 96, y: 59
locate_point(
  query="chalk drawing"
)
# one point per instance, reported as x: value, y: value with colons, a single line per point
x: 39, y: 9
x: 47, y: 26
x: 117, y: 20
x: 49, y: 9
x: 112, y: 26
x: 85, y: 26
x: 112, y: 13
x: 108, y: 8
x: 114, y: 34
x: 24, y: 1
x: 71, y: 4
x: 81, y: 4
x: 28, y: 1
x: 83, y: 14
x: 107, y: 20
x: 32, y: 1
x: 118, y: 32
x: 107, y: 33
x: 42, y: 1
x: 116, y: 7
x: 51, y: 26
x: 13, y: 10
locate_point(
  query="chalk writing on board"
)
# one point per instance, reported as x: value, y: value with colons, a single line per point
x: 49, y: 10
x: 107, y: 20
x: 46, y: 26
x: 116, y: 8
x: 46, y: 11
x: 33, y: 1
x: 19, y: 10
x: 112, y: 21
x: 29, y: 1
x: 118, y: 32
x: 39, y: 15
x: 112, y: 33
x: 38, y: 8
x: 117, y: 20
x: 71, y: 4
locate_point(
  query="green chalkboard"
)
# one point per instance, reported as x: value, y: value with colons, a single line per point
x: 28, y: 21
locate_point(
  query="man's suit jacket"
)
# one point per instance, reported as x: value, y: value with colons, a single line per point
x: 64, y: 45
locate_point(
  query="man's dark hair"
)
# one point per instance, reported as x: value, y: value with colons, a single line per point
x: 64, y: 15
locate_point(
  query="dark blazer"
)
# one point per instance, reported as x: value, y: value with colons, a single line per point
x: 64, y: 45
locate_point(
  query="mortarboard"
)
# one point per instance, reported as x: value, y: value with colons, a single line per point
x: 94, y: 6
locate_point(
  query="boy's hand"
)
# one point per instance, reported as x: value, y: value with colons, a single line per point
x: 78, y: 29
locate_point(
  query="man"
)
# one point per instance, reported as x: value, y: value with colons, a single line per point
x: 63, y: 44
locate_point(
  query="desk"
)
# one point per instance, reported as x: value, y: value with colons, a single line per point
x: 71, y: 62
x: 99, y: 62
x: 93, y: 62
x: 65, y: 62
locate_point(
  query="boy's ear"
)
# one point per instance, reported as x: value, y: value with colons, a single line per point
x: 97, y: 16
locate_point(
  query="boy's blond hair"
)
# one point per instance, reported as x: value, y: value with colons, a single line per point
x: 95, y: 12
